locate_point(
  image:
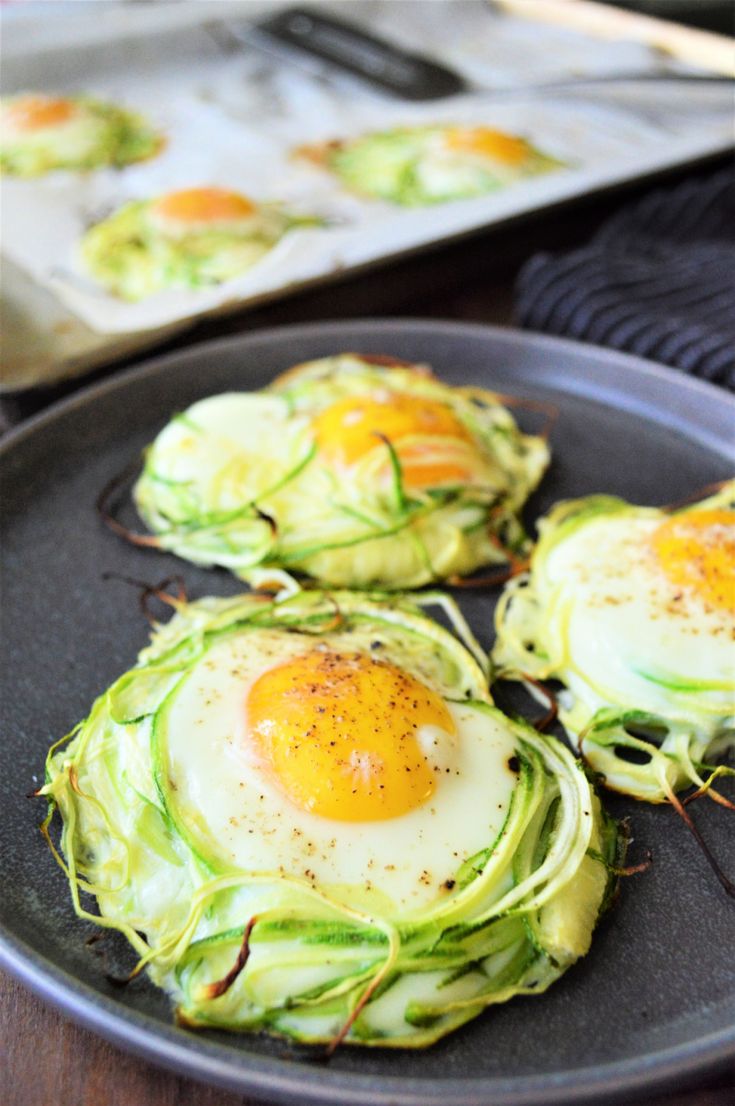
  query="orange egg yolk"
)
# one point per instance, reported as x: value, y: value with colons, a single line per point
x: 353, y: 427
x: 485, y: 142
x: 203, y: 205
x: 697, y: 552
x: 338, y: 733
x: 33, y: 113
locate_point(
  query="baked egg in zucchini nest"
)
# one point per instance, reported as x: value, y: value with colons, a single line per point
x: 346, y: 470
x: 633, y: 610
x: 186, y: 239
x: 307, y: 817
x: 41, y: 133
x: 422, y: 165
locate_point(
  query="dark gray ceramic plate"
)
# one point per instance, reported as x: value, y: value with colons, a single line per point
x: 653, y: 1003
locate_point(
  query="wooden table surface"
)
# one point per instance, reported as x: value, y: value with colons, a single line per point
x: 46, y: 1060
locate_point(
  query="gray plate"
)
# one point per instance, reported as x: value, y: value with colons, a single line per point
x: 652, y: 1004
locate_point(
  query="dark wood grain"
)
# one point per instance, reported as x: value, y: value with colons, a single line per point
x: 52, y: 1062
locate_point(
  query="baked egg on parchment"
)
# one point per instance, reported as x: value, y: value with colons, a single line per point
x: 307, y: 817
x: 633, y: 610
x: 347, y: 469
x: 189, y: 238
x: 420, y: 165
x: 40, y: 132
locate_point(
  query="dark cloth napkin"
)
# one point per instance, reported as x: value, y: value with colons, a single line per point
x: 657, y: 280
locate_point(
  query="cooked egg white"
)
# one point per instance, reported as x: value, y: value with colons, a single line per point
x: 332, y: 764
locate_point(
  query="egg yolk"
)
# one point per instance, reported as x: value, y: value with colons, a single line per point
x: 485, y: 142
x: 195, y: 206
x: 34, y: 113
x: 697, y: 552
x: 338, y: 733
x: 352, y: 427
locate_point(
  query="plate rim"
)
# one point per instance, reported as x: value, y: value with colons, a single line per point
x: 281, y: 1080
x: 642, y: 368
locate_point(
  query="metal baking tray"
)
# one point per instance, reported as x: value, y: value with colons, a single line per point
x: 233, y: 111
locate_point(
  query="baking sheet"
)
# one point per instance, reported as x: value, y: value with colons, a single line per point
x: 654, y: 1001
x: 42, y: 341
x: 233, y: 116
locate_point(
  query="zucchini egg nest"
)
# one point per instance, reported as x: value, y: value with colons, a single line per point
x: 633, y: 609
x: 307, y: 818
x: 190, y: 238
x: 414, y: 166
x: 349, y: 471
x: 41, y: 133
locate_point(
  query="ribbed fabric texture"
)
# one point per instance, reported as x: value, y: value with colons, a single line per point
x: 657, y: 280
